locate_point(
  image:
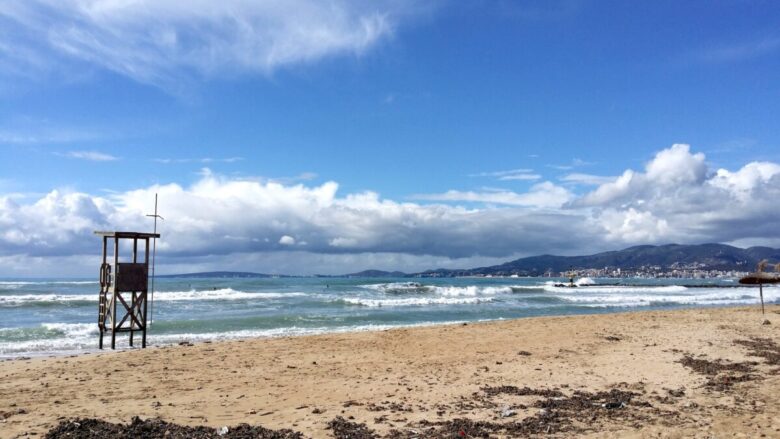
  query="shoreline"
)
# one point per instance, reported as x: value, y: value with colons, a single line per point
x: 198, y: 338
x: 395, y: 378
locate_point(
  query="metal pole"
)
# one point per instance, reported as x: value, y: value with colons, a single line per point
x: 154, y: 256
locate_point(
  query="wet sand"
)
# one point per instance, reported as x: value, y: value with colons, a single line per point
x: 685, y: 373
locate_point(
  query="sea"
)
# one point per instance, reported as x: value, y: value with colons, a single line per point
x: 43, y: 317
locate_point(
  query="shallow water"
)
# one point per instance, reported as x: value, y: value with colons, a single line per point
x: 59, y: 316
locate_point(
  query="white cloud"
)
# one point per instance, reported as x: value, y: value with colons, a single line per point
x: 521, y: 177
x: 742, y: 183
x: 541, y: 195
x: 161, y: 41
x: 522, y: 174
x: 677, y: 198
x: 575, y: 163
x: 220, y: 222
x: 94, y: 156
x: 587, y: 179
x: 677, y: 165
x: 741, y: 51
x: 502, y: 173
x: 287, y: 240
x: 204, y: 160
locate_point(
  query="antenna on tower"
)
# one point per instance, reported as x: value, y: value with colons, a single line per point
x: 154, y: 253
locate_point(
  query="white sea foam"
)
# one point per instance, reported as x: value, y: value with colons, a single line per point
x: 82, y: 337
x: 664, y: 295
x: 23, y: 299
x: 422, y: 301
x: 449, y: 291
x: 472, y: 291
x: 72, y: 329
x: 220, y: 294
x: 585, y: 281
x: 615, y: 289
x: 164, y: 296
x: 399, y: 287
x: 53, y: 282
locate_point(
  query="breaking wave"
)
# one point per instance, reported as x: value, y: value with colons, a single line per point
x: 376, y: 303
x: 399, y: 288
x: 165, y: 296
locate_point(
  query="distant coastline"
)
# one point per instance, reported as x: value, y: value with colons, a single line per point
x: 703, y: 261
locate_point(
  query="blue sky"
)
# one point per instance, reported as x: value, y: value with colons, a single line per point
x: 493, y: 116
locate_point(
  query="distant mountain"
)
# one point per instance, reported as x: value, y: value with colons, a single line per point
x: 219, y: 274
x: 664, y: 257
x: 670, y: 256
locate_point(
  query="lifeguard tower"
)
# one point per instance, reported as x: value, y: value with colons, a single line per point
x: 124, y: 286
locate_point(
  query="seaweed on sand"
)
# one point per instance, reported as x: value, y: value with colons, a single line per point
x: 157, y: 428
x: 520, y: 391
x: 709, y: 367
x: 558, y: 414
x: 343, y: 429
x: 764, y: 348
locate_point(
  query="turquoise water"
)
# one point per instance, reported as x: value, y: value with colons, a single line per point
x: 59, y: 316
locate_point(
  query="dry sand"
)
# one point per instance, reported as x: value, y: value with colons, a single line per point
x: 397, y: 379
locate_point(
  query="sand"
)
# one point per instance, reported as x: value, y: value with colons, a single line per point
x: 673, y: 374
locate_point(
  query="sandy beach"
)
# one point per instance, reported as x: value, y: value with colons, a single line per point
x: 686, y: 373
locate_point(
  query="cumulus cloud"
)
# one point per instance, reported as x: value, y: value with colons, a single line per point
x: 220, y: 222
x: 158, y: 41
x: 677, y: 198
x: 287, y: 240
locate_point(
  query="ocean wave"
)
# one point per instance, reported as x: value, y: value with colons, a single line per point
x: 614, y: 289
x: 740, y: 296
x: 472, y: 291
x: 376, y: 303
x: 27, y: 299
x: 220, y: 294
x: 399, y: 288
x: 72, y: 329
x: 53, y: 282
x: 82, y: 337
x: 163, y: 296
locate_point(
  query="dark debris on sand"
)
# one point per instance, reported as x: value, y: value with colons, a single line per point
x: 520, y: 391
x: 343, y: 429
x: 156, y: 428
x: 709, y: 367
x: 763, y: 348
x: 724, y: 383
x: 558, y: 413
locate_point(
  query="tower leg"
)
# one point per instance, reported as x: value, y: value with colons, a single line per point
x: 132, y: 314
x: 146, y: 324
x: 113, y: 340
x: 100, y: 342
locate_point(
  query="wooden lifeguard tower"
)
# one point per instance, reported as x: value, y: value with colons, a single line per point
x: 124, y: 287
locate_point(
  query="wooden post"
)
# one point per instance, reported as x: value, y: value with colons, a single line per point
x: 113, y: 295
x: 145, y: 295
x: 133, y: 295
x: 761, y: 293
x: 101, y: 299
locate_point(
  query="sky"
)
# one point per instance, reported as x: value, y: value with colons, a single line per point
x: 311, y: 136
